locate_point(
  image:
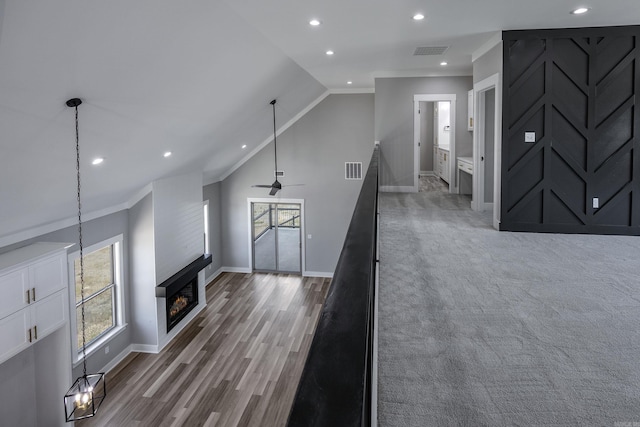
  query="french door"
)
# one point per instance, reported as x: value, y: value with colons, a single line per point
x: 276, y: 237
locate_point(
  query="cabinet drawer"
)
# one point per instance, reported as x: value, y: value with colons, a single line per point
x: 465, y: 167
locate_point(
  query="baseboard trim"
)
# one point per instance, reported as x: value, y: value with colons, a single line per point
x: 397, y: 189
x: 144, y: 348
x: 317, y: 274
x: 236, y: 270
x: 427, y: 173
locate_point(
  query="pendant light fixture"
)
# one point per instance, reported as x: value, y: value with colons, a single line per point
x: 88, y: 391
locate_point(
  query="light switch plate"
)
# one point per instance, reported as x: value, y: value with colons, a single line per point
x: 596, y: 203
x: 529, y: 137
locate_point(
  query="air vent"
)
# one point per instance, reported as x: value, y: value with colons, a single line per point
x: 278, y: 174
x: 353, y: 170
x: 430, y: 50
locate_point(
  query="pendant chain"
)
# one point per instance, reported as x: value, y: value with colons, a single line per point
x: 84, y: 353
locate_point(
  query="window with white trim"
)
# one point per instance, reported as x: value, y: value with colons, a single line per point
x: 102, y: 294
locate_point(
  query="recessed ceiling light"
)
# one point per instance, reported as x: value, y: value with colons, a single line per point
x: 97, y: 161
x: 349, y: 82
x: 443, y: 63
x: 314, y: 22
x: 329, y: 52
x: 167, y: 153
x: 418, y: 17
x: 244, y: 146
x: 580, y: 11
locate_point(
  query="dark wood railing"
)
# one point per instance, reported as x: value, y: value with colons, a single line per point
x: 335, y: 388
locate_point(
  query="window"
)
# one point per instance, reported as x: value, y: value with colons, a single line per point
x: 102, y: 300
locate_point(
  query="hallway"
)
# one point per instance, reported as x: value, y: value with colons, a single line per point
x: 481, y: 328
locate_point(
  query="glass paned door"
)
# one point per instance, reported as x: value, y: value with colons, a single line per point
x: 276, y: 233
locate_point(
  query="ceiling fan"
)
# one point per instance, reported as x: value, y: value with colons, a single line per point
x: 276, y: 186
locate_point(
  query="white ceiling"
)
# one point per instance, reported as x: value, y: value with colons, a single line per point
x: 195, y: 77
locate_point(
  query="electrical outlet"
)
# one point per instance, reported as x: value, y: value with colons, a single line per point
x: 106, y: 350
x: 529, y: 137
x: 308, y: 236
x: 596, y: 203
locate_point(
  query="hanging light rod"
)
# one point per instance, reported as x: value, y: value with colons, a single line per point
x: 88, y: 391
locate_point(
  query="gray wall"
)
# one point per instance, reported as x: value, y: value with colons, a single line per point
x: 394, y: 121
x: 211, y: 193
x: 488, y: 64
x: 93, y: 232
x: 142, y: 277
x: 311, y: 152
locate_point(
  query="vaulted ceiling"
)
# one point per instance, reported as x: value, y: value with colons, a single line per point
x: 195, y: 77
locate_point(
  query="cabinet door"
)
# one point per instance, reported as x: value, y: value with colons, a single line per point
x: 13, y: 288
x: 48, y: 276
x: 14, y: 334
x: 49, y: 314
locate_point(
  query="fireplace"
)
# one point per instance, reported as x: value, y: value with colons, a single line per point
x: 180, y: 291
x: 181, y: 303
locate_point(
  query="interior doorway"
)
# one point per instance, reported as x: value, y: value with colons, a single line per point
x: 487, y: 144
x: 276, y: 236
x: 435, y: 138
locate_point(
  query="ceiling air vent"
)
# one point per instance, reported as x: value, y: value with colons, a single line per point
x: 430, y: 50
x: 278, y: 174
x: 353, y: 170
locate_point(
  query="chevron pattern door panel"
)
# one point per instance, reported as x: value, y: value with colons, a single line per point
x: 571, y: 154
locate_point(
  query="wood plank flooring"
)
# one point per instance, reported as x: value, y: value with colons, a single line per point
x: 237, y: 364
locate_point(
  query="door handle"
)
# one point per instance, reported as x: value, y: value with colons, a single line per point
x: 30, y: 335
x: 28, y: 297
x: 35, y: 332
x: 33, y: 294
x: 482, y: 158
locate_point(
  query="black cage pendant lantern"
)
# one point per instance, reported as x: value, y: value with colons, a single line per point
x: 88, y: 391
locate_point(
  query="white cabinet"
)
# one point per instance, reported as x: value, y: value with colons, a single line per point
x: 33, y: 285
x: 443, y: 168
x: 14, y: 334
x: 14, y: 288
x: 470, y: 110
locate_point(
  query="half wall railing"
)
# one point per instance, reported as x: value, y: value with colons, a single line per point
x: 336, y: 385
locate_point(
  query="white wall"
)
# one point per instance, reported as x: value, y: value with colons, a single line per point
x: 178, y: 223
x: 142, y: 278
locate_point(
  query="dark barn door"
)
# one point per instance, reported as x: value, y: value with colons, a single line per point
x: 571, y: 159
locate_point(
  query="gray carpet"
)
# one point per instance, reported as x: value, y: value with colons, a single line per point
x: 486, y: 328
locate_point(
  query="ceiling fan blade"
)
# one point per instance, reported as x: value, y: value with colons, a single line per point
x: 273, y: 191
x: 293, y: 185
x: 261, y: 186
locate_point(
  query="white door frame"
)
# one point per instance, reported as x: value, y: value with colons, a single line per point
x: 278, y: 200
x: 479, y: 91
x: 451, y: 97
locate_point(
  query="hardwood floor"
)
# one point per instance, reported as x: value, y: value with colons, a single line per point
x: 237, y: 364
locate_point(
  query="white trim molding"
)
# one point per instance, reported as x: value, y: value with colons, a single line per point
x: 417, y: 98
x: 479, y: 89
x: 487, y: 46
